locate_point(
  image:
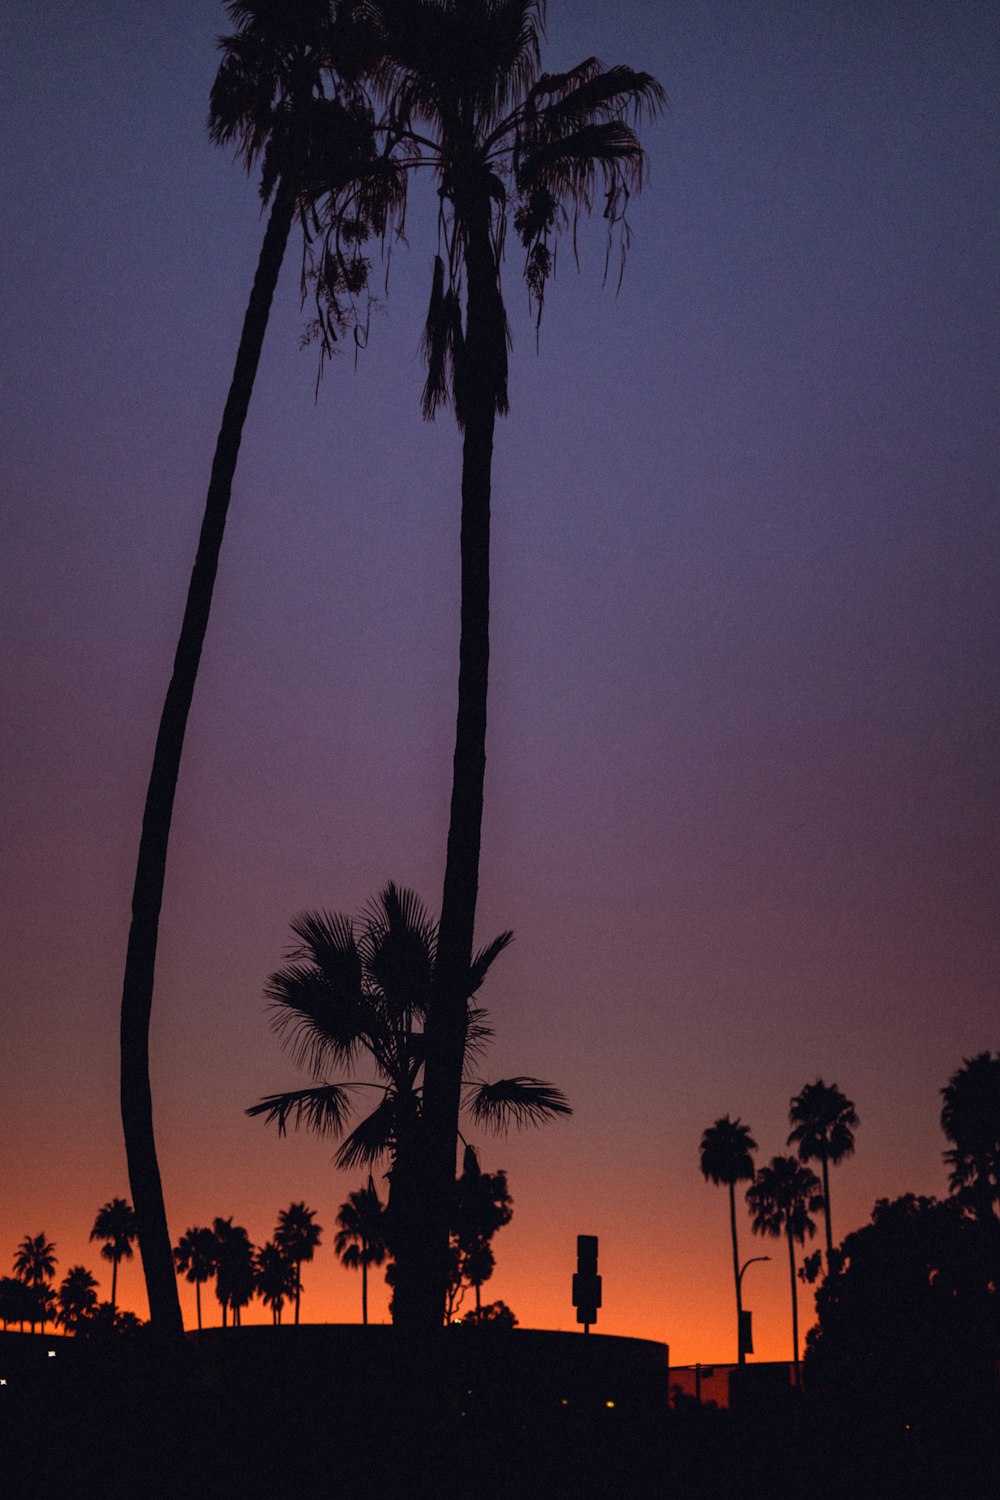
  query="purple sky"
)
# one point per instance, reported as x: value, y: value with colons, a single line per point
x: 742, y: 779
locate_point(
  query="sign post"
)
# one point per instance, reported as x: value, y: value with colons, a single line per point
x: 586, y: 1282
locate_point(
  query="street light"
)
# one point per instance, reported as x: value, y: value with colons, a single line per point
x: 746, y: 1326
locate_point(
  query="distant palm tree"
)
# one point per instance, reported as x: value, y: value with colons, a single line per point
x: 482, y: 1205
x: 781, y: 1198
x: 727, y: 1158
x: 234, y: 1268
x: 271, y: 98
x: 360, y: 1238
x: 35, y: 1264
x: 349, y: 992
x: 195, y: 1256
x: 970, y: 1118
x: 464, y: 85
x: 116, y: 1226
x: 275, y: 1278
x: 297, y: 1237
x: 825, y: 1121
x: 18, y: 1303
x: 77, y: 1298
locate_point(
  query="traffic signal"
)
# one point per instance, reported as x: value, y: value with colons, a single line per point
x: 586, y: 1282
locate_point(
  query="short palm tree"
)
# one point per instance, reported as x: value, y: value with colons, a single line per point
x: 116, y: 1226
x: 276, y: 1278
x: 360, y: 1238
x: 727, y: 1149
x: 276, y: 98
x: 77, y: 1298
x: 824, y: 1122
x: 462, y: 80
x: 234, y: 1268
x: 297, y: 1236
x: 195, y: 1256
x: 351, y: 992
x: 35, y: 1264
x: 970, y: 1118
x: 781, y: 1197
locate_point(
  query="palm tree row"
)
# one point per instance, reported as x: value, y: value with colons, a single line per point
x: 460, y: 90
x: 241, y: 1270
x: 30, y: 1295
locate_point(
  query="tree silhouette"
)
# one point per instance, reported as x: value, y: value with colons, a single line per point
x: 116, y: 1226
x: 482, y: 1205
x: 18, y: 1303
x: 34, y: 1265
x: 781, y: 1198
x: 195, y: 1255
x: 234, y: 1268
x: 970, y: 1118
x: 348, y: 993
x: 297, y: 1238
x: 272, y: 99
x: 824, y: 1123
x: 77, y: 1298
x: 276, y: 1279
x: 464, y: 86
x: 360, y: 1238
x: 726, y: 1158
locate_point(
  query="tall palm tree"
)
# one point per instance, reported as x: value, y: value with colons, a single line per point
x: 195, y: 1256
x: 272, y: 99
x: 297, y: 1237
x: 77, y: 1298
x: 824, y: 1123
x: 727, y: 1157
x: 462, y: 78
x: 116, y: 1226
x: 360, y: 1238
x: 35, y: 1264
x: 276, y: 1279
x: 234, y: 1268
x: 970, y: 1118
x: 781, y: 1198
x: 352, y: 992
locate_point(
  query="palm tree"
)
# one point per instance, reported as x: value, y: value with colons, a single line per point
x: 781, y: 1198
x: 275, y: 1278
x: 360, y: 1238
x: 195, y: 1255
x: 347, y: 993
x: 116, y: 1225
x: 77, y: 1298
x: 297, y: 1238
x: 270, y: 99
x: 234, y: 1268
x: 18, y: 1303
x: 970, y: 1118
x: 462, y: 80
x: 482, y: 1205
x: 35, y: 1264
x: 825, y: 1121
x: 727, y: 1157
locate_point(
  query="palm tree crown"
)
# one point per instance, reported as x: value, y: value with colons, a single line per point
x: 360, y: 1238
x: 297, y: 1237
x: 35, y: 1260
x: 115, y: 1225
x: 276, y: 1278
x: 970, y: 1118
x: 824, y: 1122
x: 782, y: 1197
x: 195, y: 1256
x: 77, y: 1298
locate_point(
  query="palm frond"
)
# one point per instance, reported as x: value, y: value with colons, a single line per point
x: 371, y: 1138
x: 324, y: 1109
x: 317, y: 1023
x: 484, y: 960
x: 515, y: 1101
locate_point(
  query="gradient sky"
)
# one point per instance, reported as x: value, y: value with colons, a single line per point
x: 742, y: 780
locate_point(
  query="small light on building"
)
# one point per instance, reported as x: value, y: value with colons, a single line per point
x: 610, y: 1405
x: 52, y: 1354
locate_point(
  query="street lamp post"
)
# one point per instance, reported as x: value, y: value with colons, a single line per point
x: 744, y: 1340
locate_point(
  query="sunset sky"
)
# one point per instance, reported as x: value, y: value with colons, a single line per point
x: 741, y: 798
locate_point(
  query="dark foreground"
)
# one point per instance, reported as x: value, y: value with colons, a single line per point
x: 271, y: 1414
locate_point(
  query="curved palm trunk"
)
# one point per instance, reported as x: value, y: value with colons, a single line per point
x: 147, y: 896
x: 795, y: 1307
x: 448, y: 1016
x: 740, y: 1356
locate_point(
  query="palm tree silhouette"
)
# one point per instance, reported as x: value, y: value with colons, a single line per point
x: 195, y: 1256
x: 360, y: 1238
x: 297, y: 1238
x: 970, y: 1118
x: 482, y: 1206
x: 726, y: 1157
x: 275, y: 1278
x: 781, y: 1198
x: 347, y: 993
x: 77, y: 1298
x: 825, y: 1121
x: 271, y: 98
x: 34, y: 1265
x: 115, y: 1225
x: 234, y: 1268
x: 463, y: 84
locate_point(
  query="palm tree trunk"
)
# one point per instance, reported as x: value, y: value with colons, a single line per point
x: 740, y: 1356
x: 298, y: 1289
x: 795, y: 1308
x: 114, y: 1288
x: 826, y: 1211
x: 448, y: 1015
x: 364, y: 1291
x: 147, y: 895
x: 197, y: 1302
